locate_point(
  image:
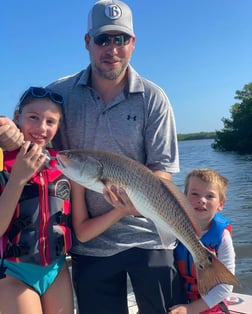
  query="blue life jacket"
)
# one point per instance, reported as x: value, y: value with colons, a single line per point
x: 212, y: 240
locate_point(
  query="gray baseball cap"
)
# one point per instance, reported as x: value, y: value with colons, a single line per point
x: 110, y: 15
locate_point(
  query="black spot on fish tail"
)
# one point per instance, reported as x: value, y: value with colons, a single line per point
x: 210, y: 259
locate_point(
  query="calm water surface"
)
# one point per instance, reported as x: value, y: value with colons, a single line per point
x: 238, y: 208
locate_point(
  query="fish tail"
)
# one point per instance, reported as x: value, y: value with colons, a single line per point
x: 213, y: 274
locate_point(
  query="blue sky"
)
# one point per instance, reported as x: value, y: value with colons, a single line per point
x: 198, y: 51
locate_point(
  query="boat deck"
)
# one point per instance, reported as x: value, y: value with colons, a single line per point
x: 240, y: 303
x: 237, y: 304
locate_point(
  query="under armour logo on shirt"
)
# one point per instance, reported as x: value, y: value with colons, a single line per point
x: 129, y: 117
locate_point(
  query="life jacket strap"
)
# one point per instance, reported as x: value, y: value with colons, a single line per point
x: 16, y: 250
x: 63, y: 219
x: 18, y: 225
x: 59, y: 246
x: 224, y: 308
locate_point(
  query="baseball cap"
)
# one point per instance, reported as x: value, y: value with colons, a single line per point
x: 110, y: 15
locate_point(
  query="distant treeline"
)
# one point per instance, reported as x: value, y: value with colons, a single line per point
x: 196, y: 136
x: 236, y: 135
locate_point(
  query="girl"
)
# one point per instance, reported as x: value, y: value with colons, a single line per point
x: 34, y: 215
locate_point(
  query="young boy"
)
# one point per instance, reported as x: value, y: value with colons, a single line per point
x: 206, y: 191
x: 34, y: 213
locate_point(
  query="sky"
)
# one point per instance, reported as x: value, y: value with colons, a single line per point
x: 198, y: 51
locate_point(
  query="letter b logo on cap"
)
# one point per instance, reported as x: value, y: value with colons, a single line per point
x: 113, y: 12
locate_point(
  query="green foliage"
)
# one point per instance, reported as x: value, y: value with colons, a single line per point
x: 196, y: 136
x: 237, y: 132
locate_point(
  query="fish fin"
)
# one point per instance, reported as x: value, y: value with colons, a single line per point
x: 212, y: 274
x: 184, y: 204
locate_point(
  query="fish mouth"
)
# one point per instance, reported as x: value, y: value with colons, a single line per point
x: 60, y: 164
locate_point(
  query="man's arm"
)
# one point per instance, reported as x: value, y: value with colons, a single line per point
x: 163, y: 174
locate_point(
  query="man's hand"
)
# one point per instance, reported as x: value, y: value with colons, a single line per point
x: 119, y: 199
x: 10, y: 136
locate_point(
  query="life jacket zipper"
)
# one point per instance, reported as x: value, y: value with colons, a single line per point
x: 43, y: 216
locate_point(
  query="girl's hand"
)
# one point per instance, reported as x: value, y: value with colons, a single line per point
x: 29, y: 160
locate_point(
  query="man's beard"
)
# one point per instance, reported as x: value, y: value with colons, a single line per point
x: 112, y: 74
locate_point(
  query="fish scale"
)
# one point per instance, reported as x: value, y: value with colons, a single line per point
x: 153, y: 197
x: 144, y: 196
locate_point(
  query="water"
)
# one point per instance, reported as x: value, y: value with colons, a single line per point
x: 238, y: 208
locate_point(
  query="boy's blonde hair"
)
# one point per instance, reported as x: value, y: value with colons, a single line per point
x: 209, y: 176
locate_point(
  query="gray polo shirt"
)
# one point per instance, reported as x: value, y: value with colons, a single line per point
x: 138, y: 123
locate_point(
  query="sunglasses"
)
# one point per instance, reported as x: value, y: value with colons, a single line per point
x: 40, y: 92
x: 106, y: 39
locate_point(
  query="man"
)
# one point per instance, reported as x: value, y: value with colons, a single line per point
x: 10, y: 136
x: 109, y: 106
